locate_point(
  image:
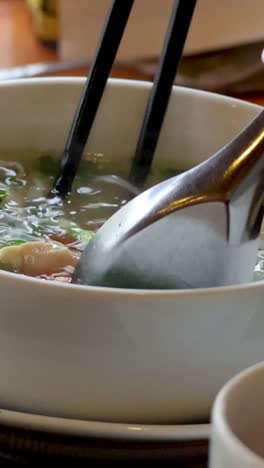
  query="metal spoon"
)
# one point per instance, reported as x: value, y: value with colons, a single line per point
x: 198, y: 229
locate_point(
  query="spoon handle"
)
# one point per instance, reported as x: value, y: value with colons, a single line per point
x: 93, y: 91
x: 235, y: 161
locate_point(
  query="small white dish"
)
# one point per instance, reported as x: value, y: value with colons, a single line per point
x: 238, y: 421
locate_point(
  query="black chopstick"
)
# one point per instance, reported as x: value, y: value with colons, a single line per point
x: 93, y: 91
x: 159, y: 96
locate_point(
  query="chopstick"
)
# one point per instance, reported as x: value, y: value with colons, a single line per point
x: 96, y: 80
x: 179, y: 24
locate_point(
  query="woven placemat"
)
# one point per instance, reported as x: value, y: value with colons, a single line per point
x: 23, y: 447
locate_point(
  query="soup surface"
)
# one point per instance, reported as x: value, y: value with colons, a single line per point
x: 42, y: 236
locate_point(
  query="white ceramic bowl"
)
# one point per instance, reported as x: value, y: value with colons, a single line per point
x: 122, y: 355
x: 238, y: 422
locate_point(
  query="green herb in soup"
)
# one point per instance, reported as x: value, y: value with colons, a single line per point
x: 44, y: 237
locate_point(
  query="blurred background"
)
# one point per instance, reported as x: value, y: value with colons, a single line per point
x: 223, y: 52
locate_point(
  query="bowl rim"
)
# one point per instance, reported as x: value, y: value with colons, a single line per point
x: 28, y: 281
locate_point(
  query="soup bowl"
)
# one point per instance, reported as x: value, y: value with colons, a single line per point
x: 146, y: 356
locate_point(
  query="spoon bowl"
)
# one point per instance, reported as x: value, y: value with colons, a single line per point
x: 198, y: 229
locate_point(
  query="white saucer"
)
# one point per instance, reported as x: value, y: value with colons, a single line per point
x: 104, y: 430
x: 37, y: 440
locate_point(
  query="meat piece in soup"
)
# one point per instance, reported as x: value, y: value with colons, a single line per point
x: 44, y: 237
x: 38, y: 258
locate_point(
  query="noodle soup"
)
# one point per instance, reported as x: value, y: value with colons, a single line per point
x: 42, y: 236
